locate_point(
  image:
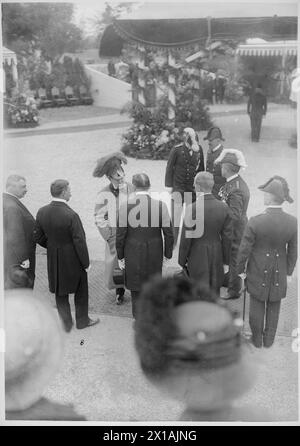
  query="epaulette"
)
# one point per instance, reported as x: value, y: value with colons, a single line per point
x: 178, y: 145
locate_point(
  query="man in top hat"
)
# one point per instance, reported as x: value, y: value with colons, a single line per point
x: 19, y: 245
x: 215, y: 147
x: 269, y: 248
x: 108, y: 203
x: 256, y: 109
x: 143, y: 242
x: 185, y: 161
x: 59, y: 229
x: 235, y: 193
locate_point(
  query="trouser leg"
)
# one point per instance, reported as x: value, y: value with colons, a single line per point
x: 256, y: 320
x: 259, y: 122
x: 272, y: 317
x: 134, y: 299
x: 64, y: 310
x: 81, y: 300
x: 176, y: 211
x: 234, y: 281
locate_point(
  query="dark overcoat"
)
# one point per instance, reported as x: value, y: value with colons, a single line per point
x: 144, y: 246
x: 18, y: 242
x: 269, y: 248
x: 215, y: 170
x: 235, y: 193
x: 182, y: 168
x: 205, y: 256
x: 59, y: 229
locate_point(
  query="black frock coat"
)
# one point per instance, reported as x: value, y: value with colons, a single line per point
x: 269, y: 249
x: 143, y: 247
x: 18, y: 242
x: 205, y: 256
x: 59, y: 229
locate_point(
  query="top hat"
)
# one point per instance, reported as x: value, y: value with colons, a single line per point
x: 106, y: 164
x: 34, y: 346
x: 277, y: 186
x: 213, y: 133
x: 231, y: 156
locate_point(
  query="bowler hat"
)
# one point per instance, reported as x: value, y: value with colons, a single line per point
x: 34, y: 346
x: 277, y: 186
x: 213, y: 133
x: 104, y: 164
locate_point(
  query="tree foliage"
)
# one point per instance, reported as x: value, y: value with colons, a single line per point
x: 43, y: 26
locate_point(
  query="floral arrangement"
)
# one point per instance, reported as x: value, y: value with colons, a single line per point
x: 152, y: 134
x: 21, y: 111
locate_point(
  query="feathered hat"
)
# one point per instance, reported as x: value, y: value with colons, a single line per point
x: 107, y: 165
x: 277, y: 186
x: 232, y: 156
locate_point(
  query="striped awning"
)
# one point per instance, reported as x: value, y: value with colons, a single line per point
x: 8, y: 56
x: 268, y: 49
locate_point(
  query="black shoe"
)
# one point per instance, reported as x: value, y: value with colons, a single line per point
x: 90, y: 323
x: 120, y: 295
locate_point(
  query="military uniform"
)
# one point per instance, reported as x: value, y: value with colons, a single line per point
x: 215, y: 169
x: 235, y: 193
x: 256, y: 108
x: 269, y: 245
x: 182, y: 167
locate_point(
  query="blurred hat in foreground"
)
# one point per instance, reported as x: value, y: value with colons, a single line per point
x: 34, y: 347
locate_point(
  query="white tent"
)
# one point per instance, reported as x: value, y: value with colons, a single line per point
x: 9, y: 57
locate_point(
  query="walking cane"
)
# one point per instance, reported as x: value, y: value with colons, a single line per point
x: 244, y: 302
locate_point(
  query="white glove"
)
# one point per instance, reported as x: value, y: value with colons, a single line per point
x: 121, y: 263
x: 289, y: 279
x: 169, y: 189
x: 88, y: 268
x: 242, y: 276
x: 226, y: 268
x: 25, y: 264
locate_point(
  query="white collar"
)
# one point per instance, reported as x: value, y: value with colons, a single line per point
x: 232, y: 177
x: 217, y: 147
x: 142, y: 192
x: 8, y: 193
x: 276, y: 206
x: 60, y: 200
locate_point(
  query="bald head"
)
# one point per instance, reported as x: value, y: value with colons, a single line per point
x: 16, y: 185
x: 204, y: 182
x: 141, y: 181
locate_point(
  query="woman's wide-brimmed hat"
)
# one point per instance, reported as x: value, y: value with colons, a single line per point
x: 107, y: 164
x: 33, y: 350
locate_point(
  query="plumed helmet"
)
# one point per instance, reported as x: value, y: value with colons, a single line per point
x: 213, y: 133
x: 232, y: 156
x: 34, y: 347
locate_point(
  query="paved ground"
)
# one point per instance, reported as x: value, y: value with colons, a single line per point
x: 105, y: 384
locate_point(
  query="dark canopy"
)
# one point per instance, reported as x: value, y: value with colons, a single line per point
x: 176, y: 33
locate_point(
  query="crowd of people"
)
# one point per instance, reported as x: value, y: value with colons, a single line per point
x: 184, y: 331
